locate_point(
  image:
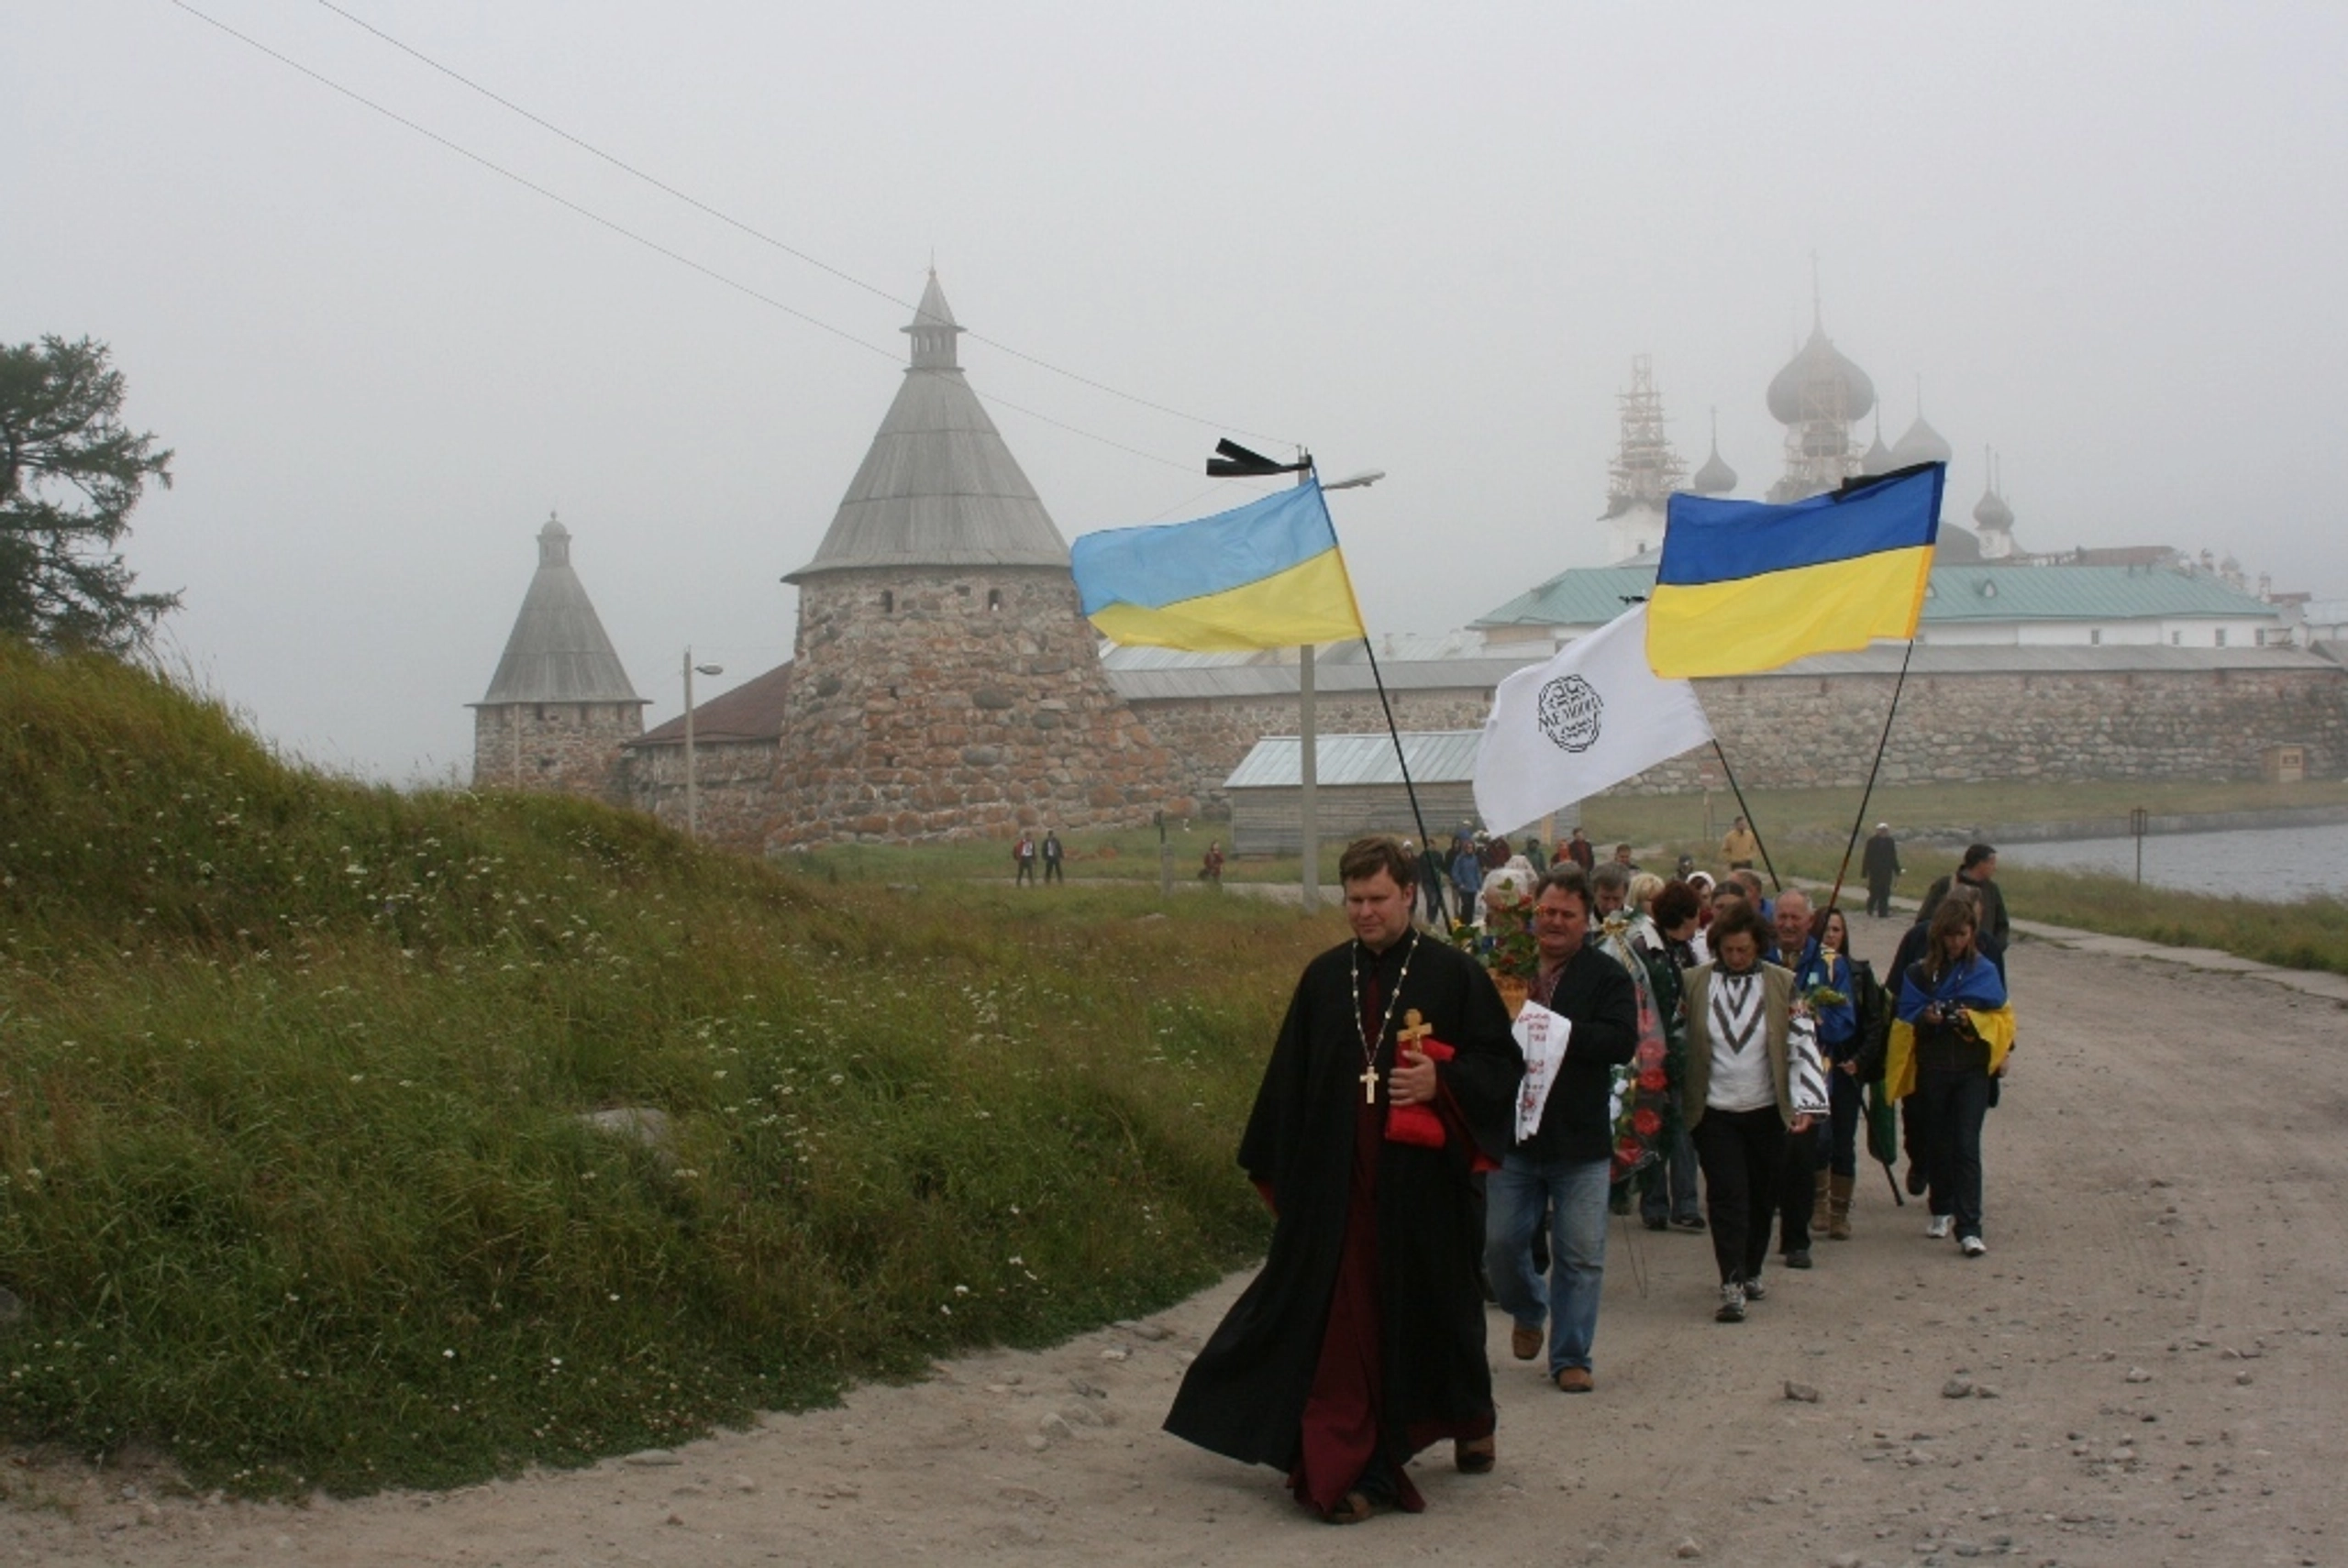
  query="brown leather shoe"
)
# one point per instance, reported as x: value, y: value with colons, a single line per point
x: 1475, y: 1456
x: 1524, y: 1343
x: 1576, y: 1380
x: 1352, y: 1508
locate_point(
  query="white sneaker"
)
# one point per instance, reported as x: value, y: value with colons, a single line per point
x: 1973, y: 1246
x: 1939, y: 1228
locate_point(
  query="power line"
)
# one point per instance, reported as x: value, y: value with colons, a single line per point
x: 653, y: 245
x: 730, y: 221
x: 532, y: 185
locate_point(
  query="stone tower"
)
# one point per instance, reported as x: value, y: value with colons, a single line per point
x: 559, y: 705
x: 944, y: 683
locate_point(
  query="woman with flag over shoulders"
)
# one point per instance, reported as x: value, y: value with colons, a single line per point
x: 1949, y: 1042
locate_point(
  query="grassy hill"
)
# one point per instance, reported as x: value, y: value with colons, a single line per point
x: 294, y: 1183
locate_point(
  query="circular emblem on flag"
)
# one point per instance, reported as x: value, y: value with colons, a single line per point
x: 1570, y: 709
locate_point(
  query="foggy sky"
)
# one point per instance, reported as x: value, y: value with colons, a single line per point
x: 2108, y: 238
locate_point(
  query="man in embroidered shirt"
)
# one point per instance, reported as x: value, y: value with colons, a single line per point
x: 1564, y: 1165
x: 1362, y: 1341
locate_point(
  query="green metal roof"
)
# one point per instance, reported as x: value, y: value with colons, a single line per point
x: 1591, y: 596
x: 2082, y: 593
x: 1585, y: 596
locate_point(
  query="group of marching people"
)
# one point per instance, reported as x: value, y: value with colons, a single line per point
x: 1419, y: 1126
x: 1775, y: 1032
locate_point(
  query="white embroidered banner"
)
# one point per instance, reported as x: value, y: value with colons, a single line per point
x: 1806, y: 1069
x: 1542, y: 1036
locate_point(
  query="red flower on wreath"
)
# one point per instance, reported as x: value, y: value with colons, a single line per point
x: 1628, y: 1153
x: 1645, y: 1123
x: 1651, y: 1080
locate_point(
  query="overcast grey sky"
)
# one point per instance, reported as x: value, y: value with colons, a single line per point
x: 2109, y: 237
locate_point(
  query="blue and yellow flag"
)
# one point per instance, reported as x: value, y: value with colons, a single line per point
x: 1266, y: 575
x: 1746, y: 587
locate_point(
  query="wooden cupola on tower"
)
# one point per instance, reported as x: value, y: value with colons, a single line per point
x: 560, y: 706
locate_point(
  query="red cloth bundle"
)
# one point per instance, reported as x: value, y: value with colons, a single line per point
x: 1420, y: 1125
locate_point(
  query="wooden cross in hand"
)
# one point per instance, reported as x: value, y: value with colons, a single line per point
x: 1411, y: 1060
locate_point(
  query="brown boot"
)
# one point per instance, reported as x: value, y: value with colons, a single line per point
x: 1838, y: 1209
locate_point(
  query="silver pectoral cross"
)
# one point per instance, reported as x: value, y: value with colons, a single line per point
x: 1369, y: 1086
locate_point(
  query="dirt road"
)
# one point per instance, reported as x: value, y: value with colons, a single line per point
x: 2151, y: 1366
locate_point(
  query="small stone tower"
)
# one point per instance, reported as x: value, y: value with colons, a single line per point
x: 560, y: 706
x: 945, y: 682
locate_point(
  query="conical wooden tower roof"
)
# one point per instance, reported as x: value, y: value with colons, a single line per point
x: 938, y: 487
x: 558, y: 652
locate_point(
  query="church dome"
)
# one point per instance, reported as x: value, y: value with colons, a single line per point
x: 1715, y: 478
x: 1879, y: 459
x: 1820, y: 380
x: 1992, y: 513
x: 1922, y: 443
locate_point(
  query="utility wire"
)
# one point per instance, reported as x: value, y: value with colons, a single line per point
x: 730, y: 221
x: 529, y: 184
x: 654, y: 245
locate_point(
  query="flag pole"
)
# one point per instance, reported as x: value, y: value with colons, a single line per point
x: 1736, y: 791
x: 1873, y: 769
x: 1403, y: 762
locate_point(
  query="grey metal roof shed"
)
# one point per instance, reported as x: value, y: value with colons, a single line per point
x: 1358, y: 788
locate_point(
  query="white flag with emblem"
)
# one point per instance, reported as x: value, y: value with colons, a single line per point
x: 1590, y: 717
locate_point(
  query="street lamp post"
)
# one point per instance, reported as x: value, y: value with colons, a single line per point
x: 693, y: 803
x: 1232, y: 460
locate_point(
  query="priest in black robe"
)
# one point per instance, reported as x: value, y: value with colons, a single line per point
x: 1362, y: 1341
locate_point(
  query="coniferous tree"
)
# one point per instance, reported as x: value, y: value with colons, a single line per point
x: 69, y: 475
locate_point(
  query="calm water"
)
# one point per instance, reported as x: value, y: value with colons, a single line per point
x: 2280, y: 864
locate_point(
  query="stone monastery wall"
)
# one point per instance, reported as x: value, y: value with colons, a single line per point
x: 735, y: 789
x: 1798, y: 732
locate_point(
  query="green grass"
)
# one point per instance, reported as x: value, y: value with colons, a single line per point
x: 292, y: 1179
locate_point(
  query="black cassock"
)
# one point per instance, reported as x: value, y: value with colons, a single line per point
x: 1245, y: 1393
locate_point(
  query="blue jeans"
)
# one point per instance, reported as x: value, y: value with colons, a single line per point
x: 1575, y: 1194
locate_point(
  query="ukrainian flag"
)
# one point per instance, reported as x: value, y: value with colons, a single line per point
x: 1746, y: 587
x: 1264, y: 576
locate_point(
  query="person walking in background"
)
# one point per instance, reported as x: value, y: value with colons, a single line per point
x: 1738, y: 846
x: 1467, y: 878
x: 1978, y: 871
x: 1880, y: 867
x: 1432, y: 874
x: 1539, y: 861
x: 1950, y: 1043
x: 1738, y: 1089
x: 1668, y: 1198
x: 1564, y: 1164
x: 1211, y: 864
x: 1816, y: 975
x: 1023, y: 860
x: 1852, y: 1061
x: 1581, y: 852
x: 1915, y: 1136
x: 1052, y: 854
